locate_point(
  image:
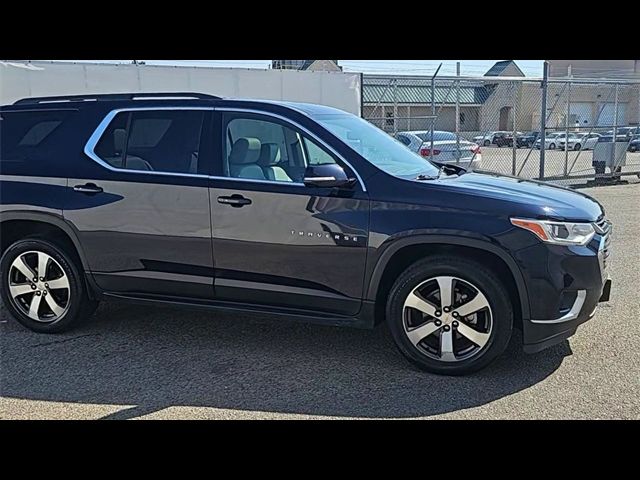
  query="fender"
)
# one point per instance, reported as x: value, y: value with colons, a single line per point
x: 396, y: 245
x: 52, y: 219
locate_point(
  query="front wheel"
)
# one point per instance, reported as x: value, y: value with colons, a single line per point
x: 42, y: 287
x: 577, y: 147
x: 449, y: 315
x: 552, y: 146
x: 487, y: 143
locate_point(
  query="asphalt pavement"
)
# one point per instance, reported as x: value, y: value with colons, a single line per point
x: 140, y: 362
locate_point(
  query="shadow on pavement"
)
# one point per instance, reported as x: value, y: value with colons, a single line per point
x: 154, y: 358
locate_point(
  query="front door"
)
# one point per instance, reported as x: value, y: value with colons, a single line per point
x: 275, y: 240
x: 140, y: 204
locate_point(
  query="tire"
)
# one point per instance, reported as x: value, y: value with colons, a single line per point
x: 493, y: 324
x: 486, y: 143
x: 58, y: 309
x: 552, y: 146
x: 577, y: 147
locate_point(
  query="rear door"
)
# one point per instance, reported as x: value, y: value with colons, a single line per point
x: 277, y: 241
x: 140, y: 202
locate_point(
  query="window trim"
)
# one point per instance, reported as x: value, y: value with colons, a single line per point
x: 297, y: 126
x: 89, y: 148
x: 104, y: 124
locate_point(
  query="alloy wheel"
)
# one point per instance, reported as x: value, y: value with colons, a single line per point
x: 39, y: 287
x: 448, y: 319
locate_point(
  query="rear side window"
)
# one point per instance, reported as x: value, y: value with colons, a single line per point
x: 155, y: 140
x: 24, y: 134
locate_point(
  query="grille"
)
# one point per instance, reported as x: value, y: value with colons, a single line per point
x: 604, y: 227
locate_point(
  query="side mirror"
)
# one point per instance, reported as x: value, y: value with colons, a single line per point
x: 329, y: 175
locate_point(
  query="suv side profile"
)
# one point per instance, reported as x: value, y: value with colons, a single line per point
x: 295, y: 210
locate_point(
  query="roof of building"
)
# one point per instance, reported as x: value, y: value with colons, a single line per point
x: 499, y: 68
x: 415, y: 93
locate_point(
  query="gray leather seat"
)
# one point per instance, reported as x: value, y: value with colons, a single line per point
x: 133, y: 162
x: 269, y: 162
x: 243, y: 159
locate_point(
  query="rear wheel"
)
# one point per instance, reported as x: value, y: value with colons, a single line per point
x: 577, y: 146
x: 42, y: 287
x: 552, y: 146
x: 486, y: 143
x: 449, y: 315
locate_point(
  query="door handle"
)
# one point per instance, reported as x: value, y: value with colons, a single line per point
x: 236, y: 201
x: 89, y: 188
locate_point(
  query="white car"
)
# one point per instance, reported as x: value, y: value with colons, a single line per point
x: 551, y: 140
x: 487, y: 139
x: 581, y: 141
x: 445, y: 147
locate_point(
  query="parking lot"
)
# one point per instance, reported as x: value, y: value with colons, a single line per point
x: 141, y: 362
x: 557, y: 162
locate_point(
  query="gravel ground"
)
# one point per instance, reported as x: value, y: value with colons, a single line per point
x: 141, y: 362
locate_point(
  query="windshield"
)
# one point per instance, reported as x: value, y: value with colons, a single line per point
x: 376, y: 146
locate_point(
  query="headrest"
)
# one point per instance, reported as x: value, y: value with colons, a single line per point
x: 269, y: 155
x: 119, y: 138
x: 245, y: 150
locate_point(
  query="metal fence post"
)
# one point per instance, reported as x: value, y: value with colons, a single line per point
x: 433, y: 104
x: 395, y: 106
x: 458, y: 112
x: 543, y: 119
x: 614, y: 163
x: 514, y: 141
x: 566, y: 130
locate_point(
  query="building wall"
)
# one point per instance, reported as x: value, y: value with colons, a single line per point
x: 414, y: 117
x: 595, y: 68
x: 46, y: 78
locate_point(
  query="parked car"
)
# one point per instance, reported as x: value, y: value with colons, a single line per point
x: 551, y: 140
x: 627, y: 132
x: 503, y: 139
x: 299, y: 211
x: 634, y: 144
x: 445, y: 147
x: 526, y: 140
x: 585, y: 141
x: 487, y: 139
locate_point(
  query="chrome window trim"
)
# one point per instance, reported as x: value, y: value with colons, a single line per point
x: 89, y: 148
x: 102, y: 126
x: 303, y: 129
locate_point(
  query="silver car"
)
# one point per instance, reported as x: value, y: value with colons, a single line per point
x: 445, y: 147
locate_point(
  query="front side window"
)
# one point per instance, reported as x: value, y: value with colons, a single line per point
x: 154, y: 140
x: 258, y: 148
x: 377, y: 147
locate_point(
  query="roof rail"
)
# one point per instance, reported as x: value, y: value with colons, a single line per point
x: 117, y: 96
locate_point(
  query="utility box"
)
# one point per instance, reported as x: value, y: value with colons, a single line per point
x: 610, y: 154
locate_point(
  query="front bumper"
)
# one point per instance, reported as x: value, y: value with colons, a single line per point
x: 545, y: 333
x: 565, y: 285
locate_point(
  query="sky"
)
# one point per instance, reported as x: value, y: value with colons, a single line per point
x: 531, y: 68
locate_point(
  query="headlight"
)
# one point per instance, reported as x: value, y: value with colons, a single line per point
x: 559, y: 233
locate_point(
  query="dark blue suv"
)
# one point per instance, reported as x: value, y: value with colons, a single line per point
x: 295, y: 210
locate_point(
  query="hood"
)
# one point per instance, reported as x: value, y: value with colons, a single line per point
x: 528, y: 197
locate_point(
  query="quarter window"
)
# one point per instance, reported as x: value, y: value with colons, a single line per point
x: 26, y: 134
x: 154, y: 140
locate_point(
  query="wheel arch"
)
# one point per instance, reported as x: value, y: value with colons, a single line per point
x: 405, y: 251
x: 15, y: 224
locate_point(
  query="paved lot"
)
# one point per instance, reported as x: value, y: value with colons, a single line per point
x: 527, y: 162
x: 140, y: 362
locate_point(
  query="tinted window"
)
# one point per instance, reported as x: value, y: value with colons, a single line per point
x: 154, y: 140
x: 404, y: 139
x: 24, y: 133
x: 261, y: 149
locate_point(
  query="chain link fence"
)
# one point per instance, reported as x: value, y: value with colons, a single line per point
x: 569, y: 131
